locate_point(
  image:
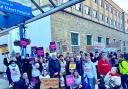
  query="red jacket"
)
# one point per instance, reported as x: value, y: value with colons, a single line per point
x: 103, y: 67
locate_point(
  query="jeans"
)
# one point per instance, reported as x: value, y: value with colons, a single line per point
x: 91, y: 82
x: 124, y: 81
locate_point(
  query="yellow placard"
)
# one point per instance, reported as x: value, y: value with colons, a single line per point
x: 3, y: 49
x: 50, y: 83
x: 72, y: 66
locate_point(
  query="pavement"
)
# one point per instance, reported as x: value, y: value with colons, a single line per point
x: 3, y: 82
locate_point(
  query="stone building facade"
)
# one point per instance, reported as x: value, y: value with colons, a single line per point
x: 65, y: 23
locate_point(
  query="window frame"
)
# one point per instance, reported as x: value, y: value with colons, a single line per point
x: 78, y: 38
x: 96, y: 14
x: 98, y: 39
x: 85, y: 10
x: 87, y: 39
x: 107, y: 41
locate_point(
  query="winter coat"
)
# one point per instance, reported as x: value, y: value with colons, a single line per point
x: 54, y: 66
x: 103, y: 67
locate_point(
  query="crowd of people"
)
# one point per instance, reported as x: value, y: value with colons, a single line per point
x: 106, y: 70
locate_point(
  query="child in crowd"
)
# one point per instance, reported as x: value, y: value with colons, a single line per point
x: 78, y: 82
x: 112, y: 79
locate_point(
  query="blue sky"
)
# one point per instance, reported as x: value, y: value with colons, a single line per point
x: 122, y: 3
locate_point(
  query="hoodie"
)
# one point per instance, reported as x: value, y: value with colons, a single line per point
x: 103, y: 67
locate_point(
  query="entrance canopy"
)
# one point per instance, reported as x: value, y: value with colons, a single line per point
x: 13, y: 14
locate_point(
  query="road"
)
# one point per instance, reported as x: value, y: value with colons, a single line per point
x: 3, y: 82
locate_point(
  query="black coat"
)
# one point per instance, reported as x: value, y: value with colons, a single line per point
x: 27, y: 67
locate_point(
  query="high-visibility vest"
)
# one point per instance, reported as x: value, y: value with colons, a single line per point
x: 123, y: 66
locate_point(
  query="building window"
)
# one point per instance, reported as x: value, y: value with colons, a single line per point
x: 78, y: 7
x: 99, y: 39
x: 114, y: 40
x: 101, y: 3
x: 115, y: 13
x: 110, y: 22
x: 118, y: 25
x: 119, y: 15
x: 106, y: 19
x: 87, y: 10
x: 74, y: 38
x: 110, y: 9
x: 94, y: 14
x: 101, y: 16
x: 94, y: 1
x: 89, y: 39
x: 107, y: 41
x: 114, y: 23
x: 107, y: 7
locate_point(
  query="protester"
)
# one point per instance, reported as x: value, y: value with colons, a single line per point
x: 62, y: 81
x: 27, y: 67
x: 71, y: 66
x: 103, y: 65
x: 24, y: 82
x: 113, y: 79
x: 44, y: 75
x: 123, y: 67
x: 79, y: 65
x: 89, y: 70
x: 62, y: 64
x: 54, y: 67
x: 29, y: 72
x: 13, y: 74
x: 96, y: 58
x: 78, y: 82
x: 45, y: 64
x: 40, y: 61
x: 35, y: 76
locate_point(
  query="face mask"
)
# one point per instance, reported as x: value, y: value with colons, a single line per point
x: 13, y: 65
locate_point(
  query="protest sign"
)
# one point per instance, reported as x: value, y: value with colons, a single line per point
x: 40, y: 51
x: 72, y: 66
x: 50, y: 83
x: 70, y: 80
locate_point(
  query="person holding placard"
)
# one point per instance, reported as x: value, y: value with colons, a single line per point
x: 78, y: 83
x: 62, y: 64
x: 71, y: 66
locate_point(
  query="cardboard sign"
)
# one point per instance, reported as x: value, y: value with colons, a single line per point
x: 52, y: 47
x: 70, y: 80
x: 40, y: 51
x: 4, y: 48
x: 72, y: 66
x: 50, y: 83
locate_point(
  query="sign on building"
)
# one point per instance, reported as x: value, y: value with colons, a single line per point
x: 15, y: 8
